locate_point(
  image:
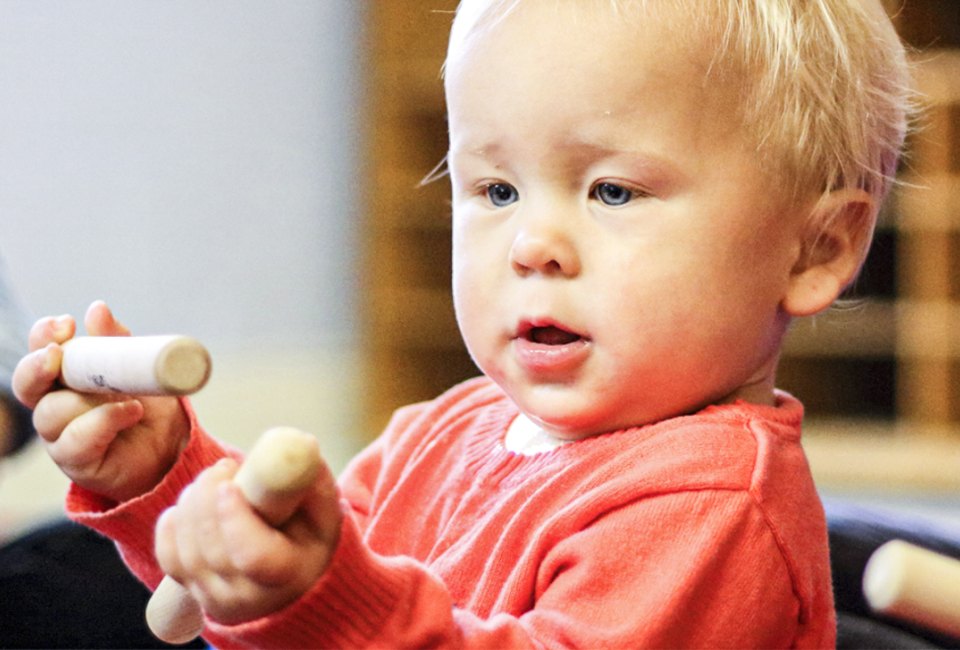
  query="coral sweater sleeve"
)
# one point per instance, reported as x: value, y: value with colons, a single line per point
x: 615, y: 582
x: 131, y: 524
x: 595, y: 594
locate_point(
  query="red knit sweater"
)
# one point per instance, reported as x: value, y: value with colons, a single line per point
x: 699, y: 531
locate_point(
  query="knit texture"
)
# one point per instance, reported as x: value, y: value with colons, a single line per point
x: 699, y: 531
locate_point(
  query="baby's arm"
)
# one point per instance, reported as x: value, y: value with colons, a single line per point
x: 116, y: 446
x: 616, y: 584
x: 674, y: 570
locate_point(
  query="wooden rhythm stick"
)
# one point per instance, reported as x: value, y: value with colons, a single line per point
x: 279, y: 471
x: 914, y: 584
x: 135, y: 365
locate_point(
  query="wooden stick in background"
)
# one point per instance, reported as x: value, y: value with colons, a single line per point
x: 274, y: 478
x: 135, y: 365
x: 914, y: 584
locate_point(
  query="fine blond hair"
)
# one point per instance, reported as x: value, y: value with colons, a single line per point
x: 825, y: 83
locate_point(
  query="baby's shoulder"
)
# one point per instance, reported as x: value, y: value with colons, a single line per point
x: 732, y: 448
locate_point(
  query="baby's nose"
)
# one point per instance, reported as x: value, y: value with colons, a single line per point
x: 544, y: 249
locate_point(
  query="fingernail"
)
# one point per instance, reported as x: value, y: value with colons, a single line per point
x: 61, y: 324
x: 102, y: 304
x: 50, y: 366
x: 128, y: 406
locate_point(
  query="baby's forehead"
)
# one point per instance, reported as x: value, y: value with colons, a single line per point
x: 553, y: 38
x: 479, y: 16
x: 476, y: 19
x: 627, y: 22
x: 538, y: 88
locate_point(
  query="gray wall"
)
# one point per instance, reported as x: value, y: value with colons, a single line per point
x: 192, y: 162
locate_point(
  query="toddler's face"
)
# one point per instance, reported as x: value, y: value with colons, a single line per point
x: 618, y: 256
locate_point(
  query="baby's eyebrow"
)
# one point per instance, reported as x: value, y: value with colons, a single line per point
x: 589, y: 149
x: 494, y: 153
x: 583, y: 152
x: 578, y: 152
x: 483, y: 150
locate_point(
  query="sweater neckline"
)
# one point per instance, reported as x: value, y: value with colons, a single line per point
x: 488, y: 459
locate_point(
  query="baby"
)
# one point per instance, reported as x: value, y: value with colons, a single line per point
x: 645, y: 193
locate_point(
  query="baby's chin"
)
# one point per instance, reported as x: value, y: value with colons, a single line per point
x: 569, y: 416
x: 577, y: 410
x: 572, y: 426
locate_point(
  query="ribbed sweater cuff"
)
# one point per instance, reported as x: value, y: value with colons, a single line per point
x: 131, y: 523
x: 349, y: 607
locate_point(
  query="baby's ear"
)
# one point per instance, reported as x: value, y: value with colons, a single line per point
x: 833, y: 247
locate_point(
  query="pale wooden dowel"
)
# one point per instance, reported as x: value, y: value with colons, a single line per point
x: 279, y: 471
x: 135, y: 365
x: 914, y: 584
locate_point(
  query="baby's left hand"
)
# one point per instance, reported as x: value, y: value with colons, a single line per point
x: 237, y: 566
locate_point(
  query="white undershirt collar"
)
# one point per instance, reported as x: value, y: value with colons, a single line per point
x: 527, y: 438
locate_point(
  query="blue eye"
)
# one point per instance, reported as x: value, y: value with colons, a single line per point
x: 612, y: 194
x: 502, y: 194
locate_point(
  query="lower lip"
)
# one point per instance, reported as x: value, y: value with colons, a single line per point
x: 537, y: 358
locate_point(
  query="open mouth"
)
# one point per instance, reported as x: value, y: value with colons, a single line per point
x: 551, y: 335
x: 547, y: 349
x: 547, y: 334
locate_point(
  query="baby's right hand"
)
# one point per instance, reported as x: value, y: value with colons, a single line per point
x: 115, y: 445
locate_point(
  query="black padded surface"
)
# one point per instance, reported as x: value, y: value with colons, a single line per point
x: 64, y: 586
x: 855, y: 533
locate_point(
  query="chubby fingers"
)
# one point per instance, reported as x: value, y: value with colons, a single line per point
x: 51, y: 329
x: 100, y: 321
x: 189, y: 542
x: 235, y: 564
x: 299, y: 550
x: 77, y: 429
x: 36, y: 374
x: 320, y: 515
x: 260, y: 558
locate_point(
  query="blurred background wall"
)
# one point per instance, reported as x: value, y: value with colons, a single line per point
x: 195, y: 163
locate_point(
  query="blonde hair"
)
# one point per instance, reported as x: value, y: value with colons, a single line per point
x: 826, y: 84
